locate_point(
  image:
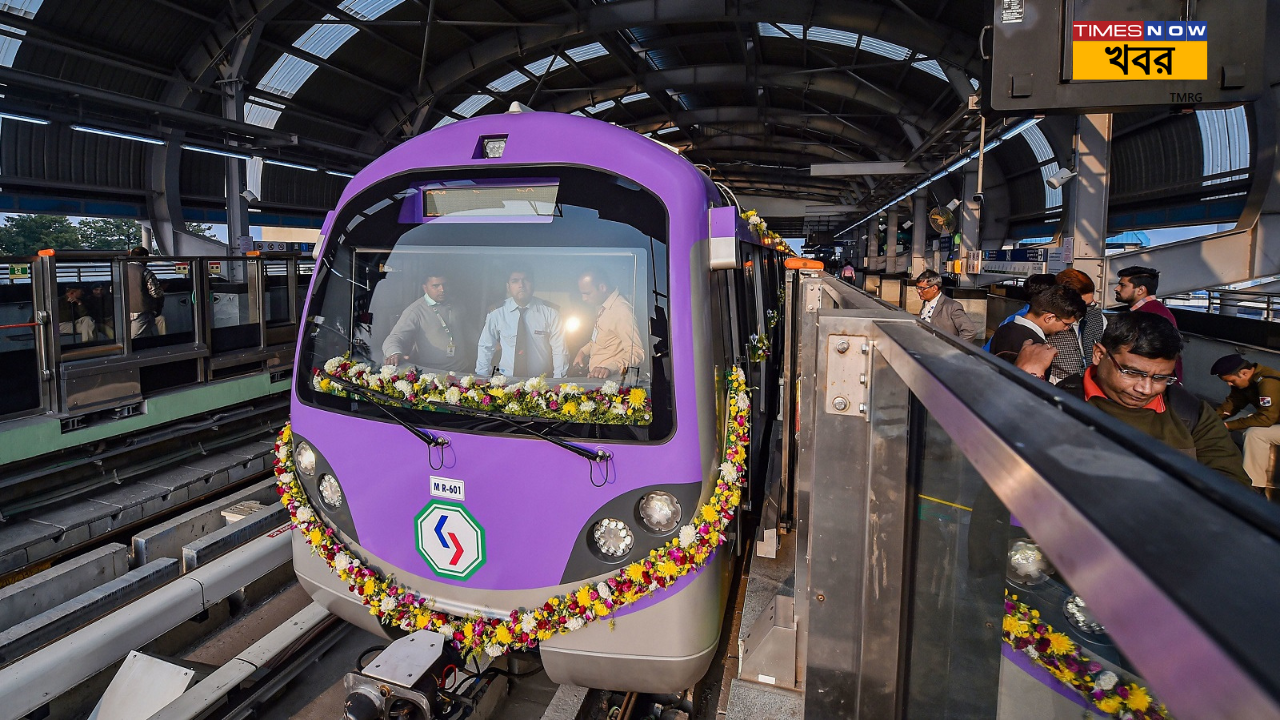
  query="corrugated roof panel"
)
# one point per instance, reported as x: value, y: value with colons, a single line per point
x: 834, y: 37
x: 1052, y: 196
x: 586, y: 52
x: 261, y: 115
x: 539, y: 68
x: 287, y: 75
x: 600, y: 107
x: 24, y: 8
x: 1225, y: 134
x: 324, y: 40
x: 1040, y: 148
x: 368, y: 9
x: 930, y: 66
x: 780, y: 30
x: 634, y: 97
x: 446, y: 120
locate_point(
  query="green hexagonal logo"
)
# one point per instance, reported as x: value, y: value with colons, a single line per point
x: 450, y: 539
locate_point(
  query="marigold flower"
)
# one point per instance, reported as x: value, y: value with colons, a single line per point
x: 635, y: 572
x: 1060, y: 644
x: 636, y: 396
x: 1109, y: 705
x: 599, y: 609
x: 502, y: 635
x: 584, y: 596
x: 1138, y: 698
x: 1016, y: 627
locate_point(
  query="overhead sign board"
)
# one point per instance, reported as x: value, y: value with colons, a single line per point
x: 1073, y: 56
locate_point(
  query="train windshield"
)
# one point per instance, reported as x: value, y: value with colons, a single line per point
x: 473, y: 299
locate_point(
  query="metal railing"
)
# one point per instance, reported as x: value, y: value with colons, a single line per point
x: 1245, y: 303
x: 918, y: 461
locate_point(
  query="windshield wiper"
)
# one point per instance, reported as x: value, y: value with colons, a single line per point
x: 598, y: 455
x: 372, y: 396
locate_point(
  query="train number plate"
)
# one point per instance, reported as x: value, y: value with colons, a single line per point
x: 443, y: 487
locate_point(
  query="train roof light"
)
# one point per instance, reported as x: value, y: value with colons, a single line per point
x: 493, y: 147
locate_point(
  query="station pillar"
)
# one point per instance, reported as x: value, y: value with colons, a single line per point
x: 873, y: 243
x: 970, y: 216
x: 1086, y: 199
x: 919, y: 221
x: 891, y: 240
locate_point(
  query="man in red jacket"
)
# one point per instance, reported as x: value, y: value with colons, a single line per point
x: 1137, y: 289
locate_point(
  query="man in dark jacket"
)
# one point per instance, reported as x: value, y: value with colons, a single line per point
x: 1131, y: 379
x: 1259, y: 386
x: 942, y: 312
x: 1053, y: 311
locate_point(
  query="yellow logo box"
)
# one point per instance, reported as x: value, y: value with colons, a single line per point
x: 1140, y: 60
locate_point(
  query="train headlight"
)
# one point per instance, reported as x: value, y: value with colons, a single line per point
x: 330, y: 491
x: 304, y: 459
x: 660, y: 511
x: 613, y: 537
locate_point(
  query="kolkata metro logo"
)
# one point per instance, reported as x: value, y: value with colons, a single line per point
x: 450, y: 540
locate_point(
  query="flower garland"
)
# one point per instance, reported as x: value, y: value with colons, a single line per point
x: 1056, y: 653
x: 523, y: 628
x: 610, y: 404
x: 758, y: 347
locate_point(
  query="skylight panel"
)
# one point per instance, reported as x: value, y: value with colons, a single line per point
x: 472, y: 105
x: 930, y: 66
x: 1052, y: 196
x: 510, y: 81
x: 22, y: 8
x: 9, y: 46
x: 884, y: 48
x: 834, y: 37
x: 368, y: 9
x: 446, y: 120
x: 974, y: 83
x: 781, y: 30
x: 261, y: 115
x: 634, y: 97
x: 1039, y: 145
x: 540, y: 68
x: 600, y: 107
x: 287, y: 75
x: 268, y: 103
x: 664, y: 131
x: 324, y: 40
x: 586, y: 52
x: 1040, y: 148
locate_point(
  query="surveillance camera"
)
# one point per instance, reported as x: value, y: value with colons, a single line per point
x: 977, y: 198
x: 249, y: 196
x: 1060, y: 178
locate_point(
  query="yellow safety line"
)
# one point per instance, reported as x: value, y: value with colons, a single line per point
x: 944, y: 502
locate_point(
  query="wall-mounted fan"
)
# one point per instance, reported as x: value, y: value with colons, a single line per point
x: 942, y: 220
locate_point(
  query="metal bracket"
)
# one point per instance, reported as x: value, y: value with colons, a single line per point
x: 768, y: 651
x: 848, y: 375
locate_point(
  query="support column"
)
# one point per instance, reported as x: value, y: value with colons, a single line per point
x: 873, y: 245
x: 891, y: 240
x: 1086, y: 199
x: 919, y: 221
x: 237, y: 204
x: 970, y: 216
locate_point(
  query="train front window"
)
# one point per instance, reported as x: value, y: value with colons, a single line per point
x: 539, y: 298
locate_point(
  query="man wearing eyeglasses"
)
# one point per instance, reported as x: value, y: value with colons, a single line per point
x: 1259, y: 386
x: 940, y: 311
x: 1131, y: 379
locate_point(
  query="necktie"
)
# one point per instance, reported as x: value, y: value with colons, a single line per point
x: 521, y: 368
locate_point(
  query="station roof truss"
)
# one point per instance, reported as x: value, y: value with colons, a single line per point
x: 755, y: 92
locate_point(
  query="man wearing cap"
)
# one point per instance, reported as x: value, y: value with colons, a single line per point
x: 1259, y: 386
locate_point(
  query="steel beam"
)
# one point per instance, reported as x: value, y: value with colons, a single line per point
x: 864, y: 168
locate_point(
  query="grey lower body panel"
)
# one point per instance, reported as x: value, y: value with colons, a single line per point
x: 663, y: 648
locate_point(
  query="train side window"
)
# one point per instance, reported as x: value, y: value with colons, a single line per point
x: 86, y: 306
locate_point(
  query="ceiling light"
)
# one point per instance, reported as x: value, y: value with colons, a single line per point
x: 335, y: 173
x: 114, y: 134
x: 295, y: 166
x: 23, y: 118
x: 219, y: 153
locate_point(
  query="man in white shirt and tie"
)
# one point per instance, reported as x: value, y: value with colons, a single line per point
x: 529, y: 332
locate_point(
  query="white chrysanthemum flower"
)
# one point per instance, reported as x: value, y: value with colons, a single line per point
x: 493, y: 650
x: 528, y: 623
x: 375, y: 382
x: 407, y: 624
x: 331, y: 366
x: 359, y: 368
x: 341, y: 561
x: 387, y: 371
x: 587, y: 406
x: 542, y: 401
x: 576, y: 623
x: 609, y: 388
x: 428, y: 379
x: 688, y: 535
x: 728, y: 471
x: 404, y: 386
x: 1107, y: 680
x: 498, y: 380
x: 473, y: 394
x: 467, y: 381
x: 1032, y: 653
x: 304, y: 514
x: 603, y: 589
x: 452, y: 396
x: 388, y: 604
x: 284, y: 479
x: 754, y: 220
x: 512, y: 408
x: 618, y: 409
x: 535, y: 384
x: 315, y: 382
x: 743, y: 401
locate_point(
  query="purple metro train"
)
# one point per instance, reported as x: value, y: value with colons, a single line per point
x: 478, y: 271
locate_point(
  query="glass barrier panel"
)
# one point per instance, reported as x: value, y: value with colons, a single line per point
x: 86, y: 309
x: 994, y: 630
x: 19, y: 362
x: 275, y: 303
x: 306, y: 269
x: 158, y: 297
x: 234, y: 307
